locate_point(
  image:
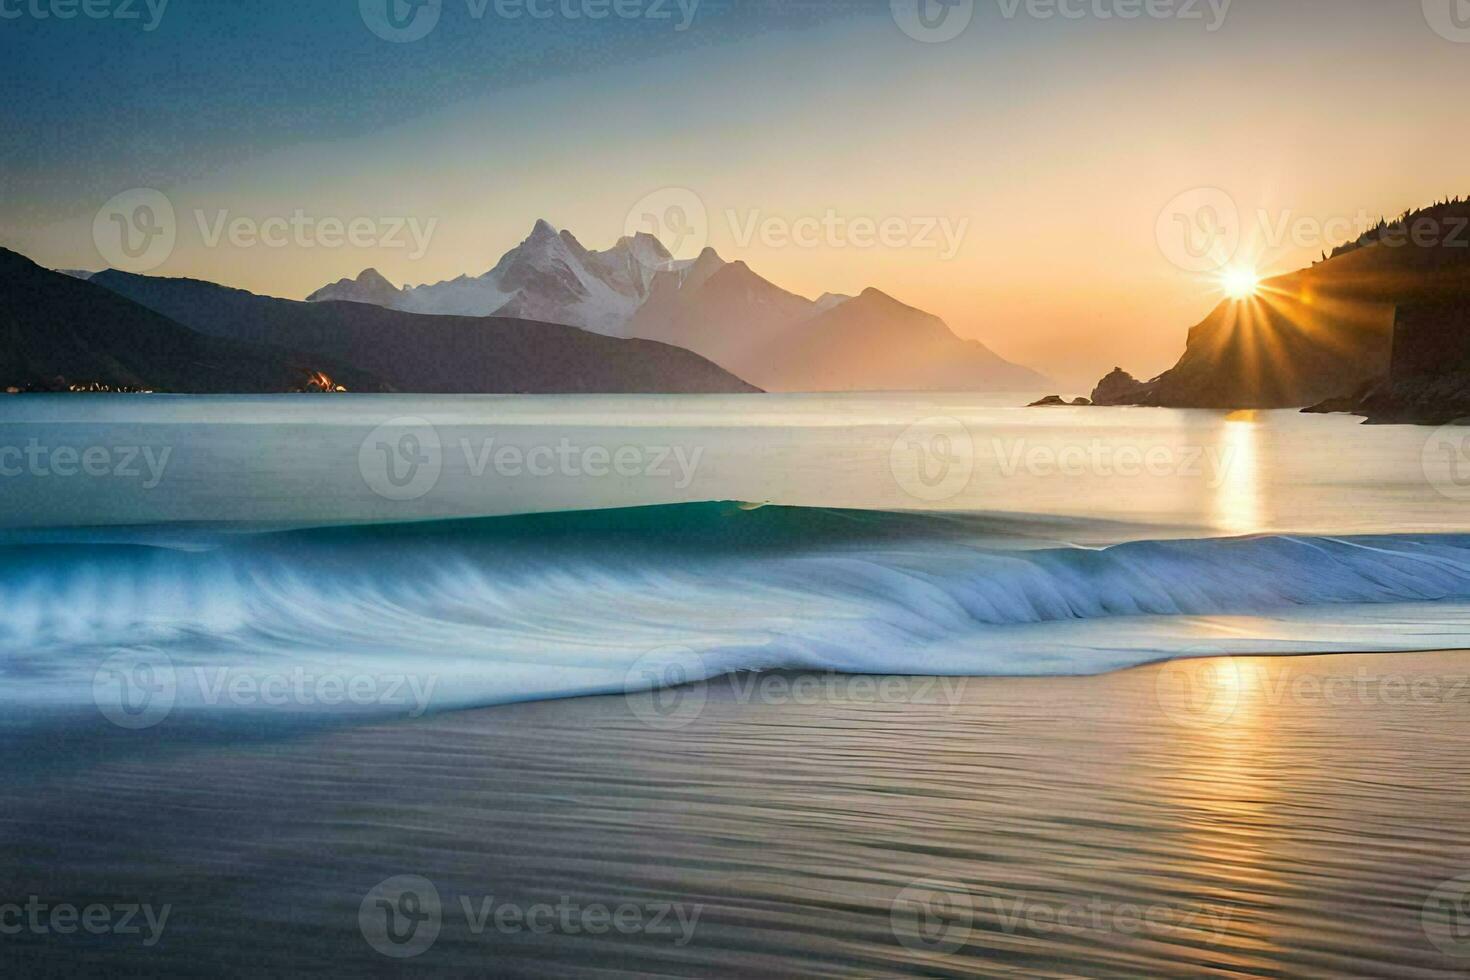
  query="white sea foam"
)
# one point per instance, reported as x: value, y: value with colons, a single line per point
x: 519, y: 609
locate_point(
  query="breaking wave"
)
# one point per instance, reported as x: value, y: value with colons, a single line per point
x: 508, y: 609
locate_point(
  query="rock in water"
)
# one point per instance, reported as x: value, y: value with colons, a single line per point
x: 1119, y: 388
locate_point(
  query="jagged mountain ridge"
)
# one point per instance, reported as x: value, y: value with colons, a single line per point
x: 434, y: 354
x: 549, y: 277
x: 720, y: 310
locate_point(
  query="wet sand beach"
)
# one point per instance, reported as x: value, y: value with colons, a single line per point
x: 1245, y: 817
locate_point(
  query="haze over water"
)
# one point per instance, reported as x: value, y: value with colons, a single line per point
x: 241, y: 461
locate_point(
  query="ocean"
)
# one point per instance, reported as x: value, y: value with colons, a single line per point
x: 266, y: 655
x: 491, y: 550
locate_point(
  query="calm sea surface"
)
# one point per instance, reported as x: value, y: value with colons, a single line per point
x: 312, y: 459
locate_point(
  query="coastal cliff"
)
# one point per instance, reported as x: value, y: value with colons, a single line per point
x: 1327, y: 331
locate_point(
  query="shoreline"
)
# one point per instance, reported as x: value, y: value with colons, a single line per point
x: 1293, y: 815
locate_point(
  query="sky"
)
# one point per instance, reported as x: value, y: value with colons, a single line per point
x: 1041, y: 179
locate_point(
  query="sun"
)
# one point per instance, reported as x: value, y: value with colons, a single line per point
x: 1240, y: 282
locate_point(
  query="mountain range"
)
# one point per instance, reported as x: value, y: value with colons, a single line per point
x: 112, y: 331
x: 720, y: 310
x: 549, y: 277
x: 414, y: 352
x: 59, y: 331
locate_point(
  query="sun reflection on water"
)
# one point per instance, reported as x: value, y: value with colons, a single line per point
x: 1237, y: 503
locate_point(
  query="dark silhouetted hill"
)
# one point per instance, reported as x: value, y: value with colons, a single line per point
x: 58, y: 332
x: 433, y: 354
x: 1321, y: 332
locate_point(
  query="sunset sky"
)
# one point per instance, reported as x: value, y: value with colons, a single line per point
x: 1054, y: 144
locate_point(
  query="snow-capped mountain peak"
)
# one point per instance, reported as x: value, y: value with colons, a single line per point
x: 550, y: 276
x: 553, y: 278
x: 370, y: 286
x: 722, y: 310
